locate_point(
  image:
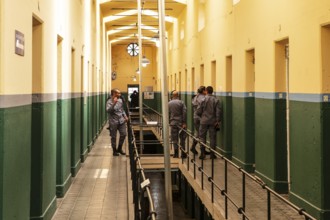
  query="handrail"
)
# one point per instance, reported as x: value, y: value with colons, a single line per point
x: 139, y: 187
x: 154, y: 116
x: 210, y: 177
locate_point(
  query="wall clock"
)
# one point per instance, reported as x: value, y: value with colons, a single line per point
x: 133, y: 49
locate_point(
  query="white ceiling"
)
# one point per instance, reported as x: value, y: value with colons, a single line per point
x: 120, y: 17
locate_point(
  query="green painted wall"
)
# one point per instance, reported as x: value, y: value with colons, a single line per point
x: 90, y: 122
x: 309, y: 156
x: 15, y: 162
x: 225, y: 133
x: 43, y: 160
x: 63, y: 155
x: 94, y: 116
x: 75, y: 135
x: 104, y: 112
x: 190, y: 120
x: 84, y: 129
x: 154, y: 103
x: 270, y: 143
x: 243, y: 132
x: 325, y: 197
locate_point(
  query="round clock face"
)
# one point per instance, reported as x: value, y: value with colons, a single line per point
x: 133, y: 49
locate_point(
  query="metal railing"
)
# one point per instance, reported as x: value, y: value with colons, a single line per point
x: 144, y: 205
x: 143, y: 201
x: 153, y: 116
x: 240, y: 206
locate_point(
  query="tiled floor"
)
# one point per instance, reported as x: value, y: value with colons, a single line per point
x: 99, y: 191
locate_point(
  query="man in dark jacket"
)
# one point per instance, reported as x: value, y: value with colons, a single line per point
x: 210, y: 113
x: 134, y: 99
x: 117, y: 121
x: 178, y: 115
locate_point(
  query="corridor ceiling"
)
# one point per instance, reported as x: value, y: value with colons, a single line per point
x: 120, y: 17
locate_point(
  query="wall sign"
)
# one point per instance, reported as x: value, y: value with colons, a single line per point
x: 19, y: 43
x: 148, y: 95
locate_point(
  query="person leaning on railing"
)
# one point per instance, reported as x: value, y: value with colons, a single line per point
x: 210, y: 113
x: 196, y: 102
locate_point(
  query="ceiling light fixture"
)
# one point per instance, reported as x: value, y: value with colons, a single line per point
x: 145, y: 61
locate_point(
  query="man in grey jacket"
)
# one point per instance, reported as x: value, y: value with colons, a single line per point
x: 178, y: 115
x: 117, y: 121
x: 210, y: 113
x: 196, y: 102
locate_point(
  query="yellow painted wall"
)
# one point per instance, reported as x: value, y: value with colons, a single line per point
x: 74, y: 21
x: 250, y: 24
x: 126, y: 66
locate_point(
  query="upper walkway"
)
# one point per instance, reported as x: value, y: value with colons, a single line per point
x: 102, y: 188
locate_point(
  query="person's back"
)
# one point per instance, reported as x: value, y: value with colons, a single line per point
x: 196, y: 103
x: 210, y: 113
x: 211, y: 110
x: 197, y: 100
x: 177, y: 112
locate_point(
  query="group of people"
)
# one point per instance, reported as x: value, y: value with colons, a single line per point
x: 207, y: 119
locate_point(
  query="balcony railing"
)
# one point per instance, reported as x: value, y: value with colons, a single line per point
x: 237, y: 195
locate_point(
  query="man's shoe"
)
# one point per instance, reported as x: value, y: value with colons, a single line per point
x: 207, y: 152
x: 183, y: 155
x: 115, y: 154
x: 122, y: 152
x: 193, y: 150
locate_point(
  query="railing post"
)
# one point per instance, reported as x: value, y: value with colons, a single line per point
x: 194, y: 166
x: 243, y: 193
x: 268, y: 205
x: 212, y: 183
x: 187, y: 149
x: 226, y: 189
x: 202, y: 176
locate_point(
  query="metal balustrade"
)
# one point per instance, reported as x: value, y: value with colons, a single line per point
x: 207, y: 175
x: 144, y: 205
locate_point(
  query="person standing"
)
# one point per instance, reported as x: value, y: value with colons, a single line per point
x: 117, y: 121
x: 178, y: 115
x: 134, y: 99
x: 210, y: 113
x: 196, y: 102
